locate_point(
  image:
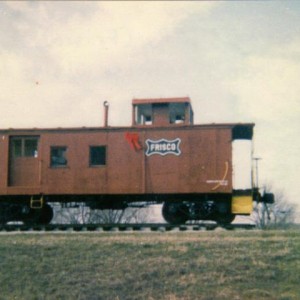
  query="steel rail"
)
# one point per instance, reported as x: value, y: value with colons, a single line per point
x: 154, y: 227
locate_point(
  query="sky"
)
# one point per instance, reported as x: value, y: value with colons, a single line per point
x: 238, y: 61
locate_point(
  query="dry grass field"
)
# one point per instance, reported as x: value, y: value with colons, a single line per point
x: 197, y: 265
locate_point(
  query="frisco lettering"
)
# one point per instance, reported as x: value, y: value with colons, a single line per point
x: 163, y: 147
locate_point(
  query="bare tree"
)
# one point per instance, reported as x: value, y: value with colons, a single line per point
x: 84, y: 215
x: 114, y: 216
x: 279, y: 214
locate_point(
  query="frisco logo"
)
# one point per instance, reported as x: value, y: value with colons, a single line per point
x: 163, y: 147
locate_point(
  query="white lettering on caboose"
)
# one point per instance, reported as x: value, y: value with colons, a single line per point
x: 163, y: 147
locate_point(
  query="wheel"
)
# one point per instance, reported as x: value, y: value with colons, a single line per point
x: 9, y: 212
x: 3, y: 214
x: 224, y: 219
x: 46, y: 215
x: 41, y: 216
x: 175, y: 213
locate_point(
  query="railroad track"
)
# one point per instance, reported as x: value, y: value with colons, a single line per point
x: 120, y: 227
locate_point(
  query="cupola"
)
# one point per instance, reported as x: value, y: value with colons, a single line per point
x: 162, y: 112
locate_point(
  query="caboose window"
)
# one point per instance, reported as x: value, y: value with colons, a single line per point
x: 58, y: 156
x: 24, y: 146
x: 97, y: 155
x: 17, y: 147
x: 177, y: 113
x: 143, y: 114
x: 30, y: 147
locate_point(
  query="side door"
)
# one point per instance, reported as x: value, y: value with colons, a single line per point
x: 23, y: 161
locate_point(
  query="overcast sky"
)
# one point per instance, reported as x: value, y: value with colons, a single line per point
x: 238, y: 61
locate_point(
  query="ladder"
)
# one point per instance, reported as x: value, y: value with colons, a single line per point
x: 37, y: 203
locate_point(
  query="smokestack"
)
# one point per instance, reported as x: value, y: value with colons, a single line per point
x: 106, y: 106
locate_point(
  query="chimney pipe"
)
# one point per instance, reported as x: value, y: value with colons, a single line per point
x: 106, y: 106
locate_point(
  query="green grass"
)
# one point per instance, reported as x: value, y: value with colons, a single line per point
x: 198, y: 265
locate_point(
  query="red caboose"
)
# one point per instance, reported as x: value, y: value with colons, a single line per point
x: 162, y: 158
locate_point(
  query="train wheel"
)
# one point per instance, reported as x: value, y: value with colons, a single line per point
x: 225, y: 219
x: 3, y: 215
x: 46, y: 215
x: 175, y: 213
x: 41, y: 216
x: 9, y: 212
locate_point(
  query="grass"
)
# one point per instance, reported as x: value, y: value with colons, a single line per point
x: 197, y: 265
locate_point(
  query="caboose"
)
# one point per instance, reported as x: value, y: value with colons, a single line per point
x: 162, y: 158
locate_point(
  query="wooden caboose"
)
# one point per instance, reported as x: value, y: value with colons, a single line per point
x: 161, y: 158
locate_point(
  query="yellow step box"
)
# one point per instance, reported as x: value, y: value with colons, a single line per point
x: 242, y: 205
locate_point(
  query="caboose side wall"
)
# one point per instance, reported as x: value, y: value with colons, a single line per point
x: 205, y: 154
x: 203, y: 165
x: 77, y: 177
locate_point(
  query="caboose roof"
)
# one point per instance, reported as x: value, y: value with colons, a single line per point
x: 161, y: 100
x: 23, y: 131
